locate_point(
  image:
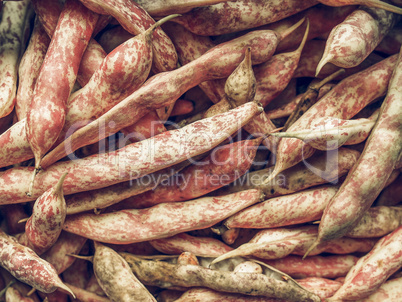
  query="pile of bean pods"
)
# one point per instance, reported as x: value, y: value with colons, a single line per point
x: 200, y: 150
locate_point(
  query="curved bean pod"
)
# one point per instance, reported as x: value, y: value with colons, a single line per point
x: 28, y: 267
x: 369, y: 3
x: 160, y: 221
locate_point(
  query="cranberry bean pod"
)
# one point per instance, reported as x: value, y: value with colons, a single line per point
x: 199, y: 246
x: 387, y: 251
x: 164, y: 8
x: 136, y: 20
x: 12, y: 25
x: 332, y: 133
x: 389, y: 291
x: 332, y: 266
x: 224, y: 165
x: 351, y: 41
x: 48, y: 12
x: 377, y: 222
x: 323, y: 168
x: 312, y: 55
x: 281, y: 242
x: 67, y: 243
x: 116, y: 278
x: 86, y: 296
x: 46, y: 113
x: 104, y: 197
x: 377, y: 161
x: 101, y: 170
x: 159, y: 221
x: 322, y: 287
x: 230, y: 16
x: 48, y: 214
x: 344, y: 101
x: 29, y: 67
x: 27, y: 267
x: 369, y: 3
x: 164, y: 88
x: 168, y: 275
x: 301, y: 207
x: 181, y: 107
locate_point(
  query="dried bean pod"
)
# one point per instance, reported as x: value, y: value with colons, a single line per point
x: 374, y: 268
x: 305, y: 206
x: 29, y: 67
x: 168, y: 275
x: 12, y: 26
x: 46, y: 113
x: 378, y: 159
x: 152, y: 226
x: 136, y: 20
x: 115, y: 277
x: 344, y: 101
x: 199, y: 246
x: 230, y: 16
x: 27, y: 267
x: 100, y: 170
x: 332, y: 266
x: 164, y: 88
x: 350, y: 42
x: 86, y: 296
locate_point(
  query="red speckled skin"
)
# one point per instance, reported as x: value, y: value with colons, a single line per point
x: 388, y: 291
x: 332, y: 266
x: 344, y: 101
x: 84, y: 295
x: 305, y: 206
x: 136, y: 20
x: 281, y: 242
x: 130, y: 162
x: 11, y: 36
x: 67, y: 243
x: 223, y: 166
x: 160, y: 221
x: 351, y: 41
x: 27, y: 266
x: 370, y: 174
x: 29, y: 68
x: 164, y: 88
x: 372, y: 270
x: 232, y: 16
x: 369, y: 3
x: 46, y: 113
x: 199, y: 246
x: 48, y: 12
x: 45, y: 224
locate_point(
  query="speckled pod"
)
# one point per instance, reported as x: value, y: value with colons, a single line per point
x: 374, y: 268
x: 388, y: 292
x: 130, y: 162
x: 369, y: 3
x: 28, y: 267
x: 46, y: 113
x: 161, y: 221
